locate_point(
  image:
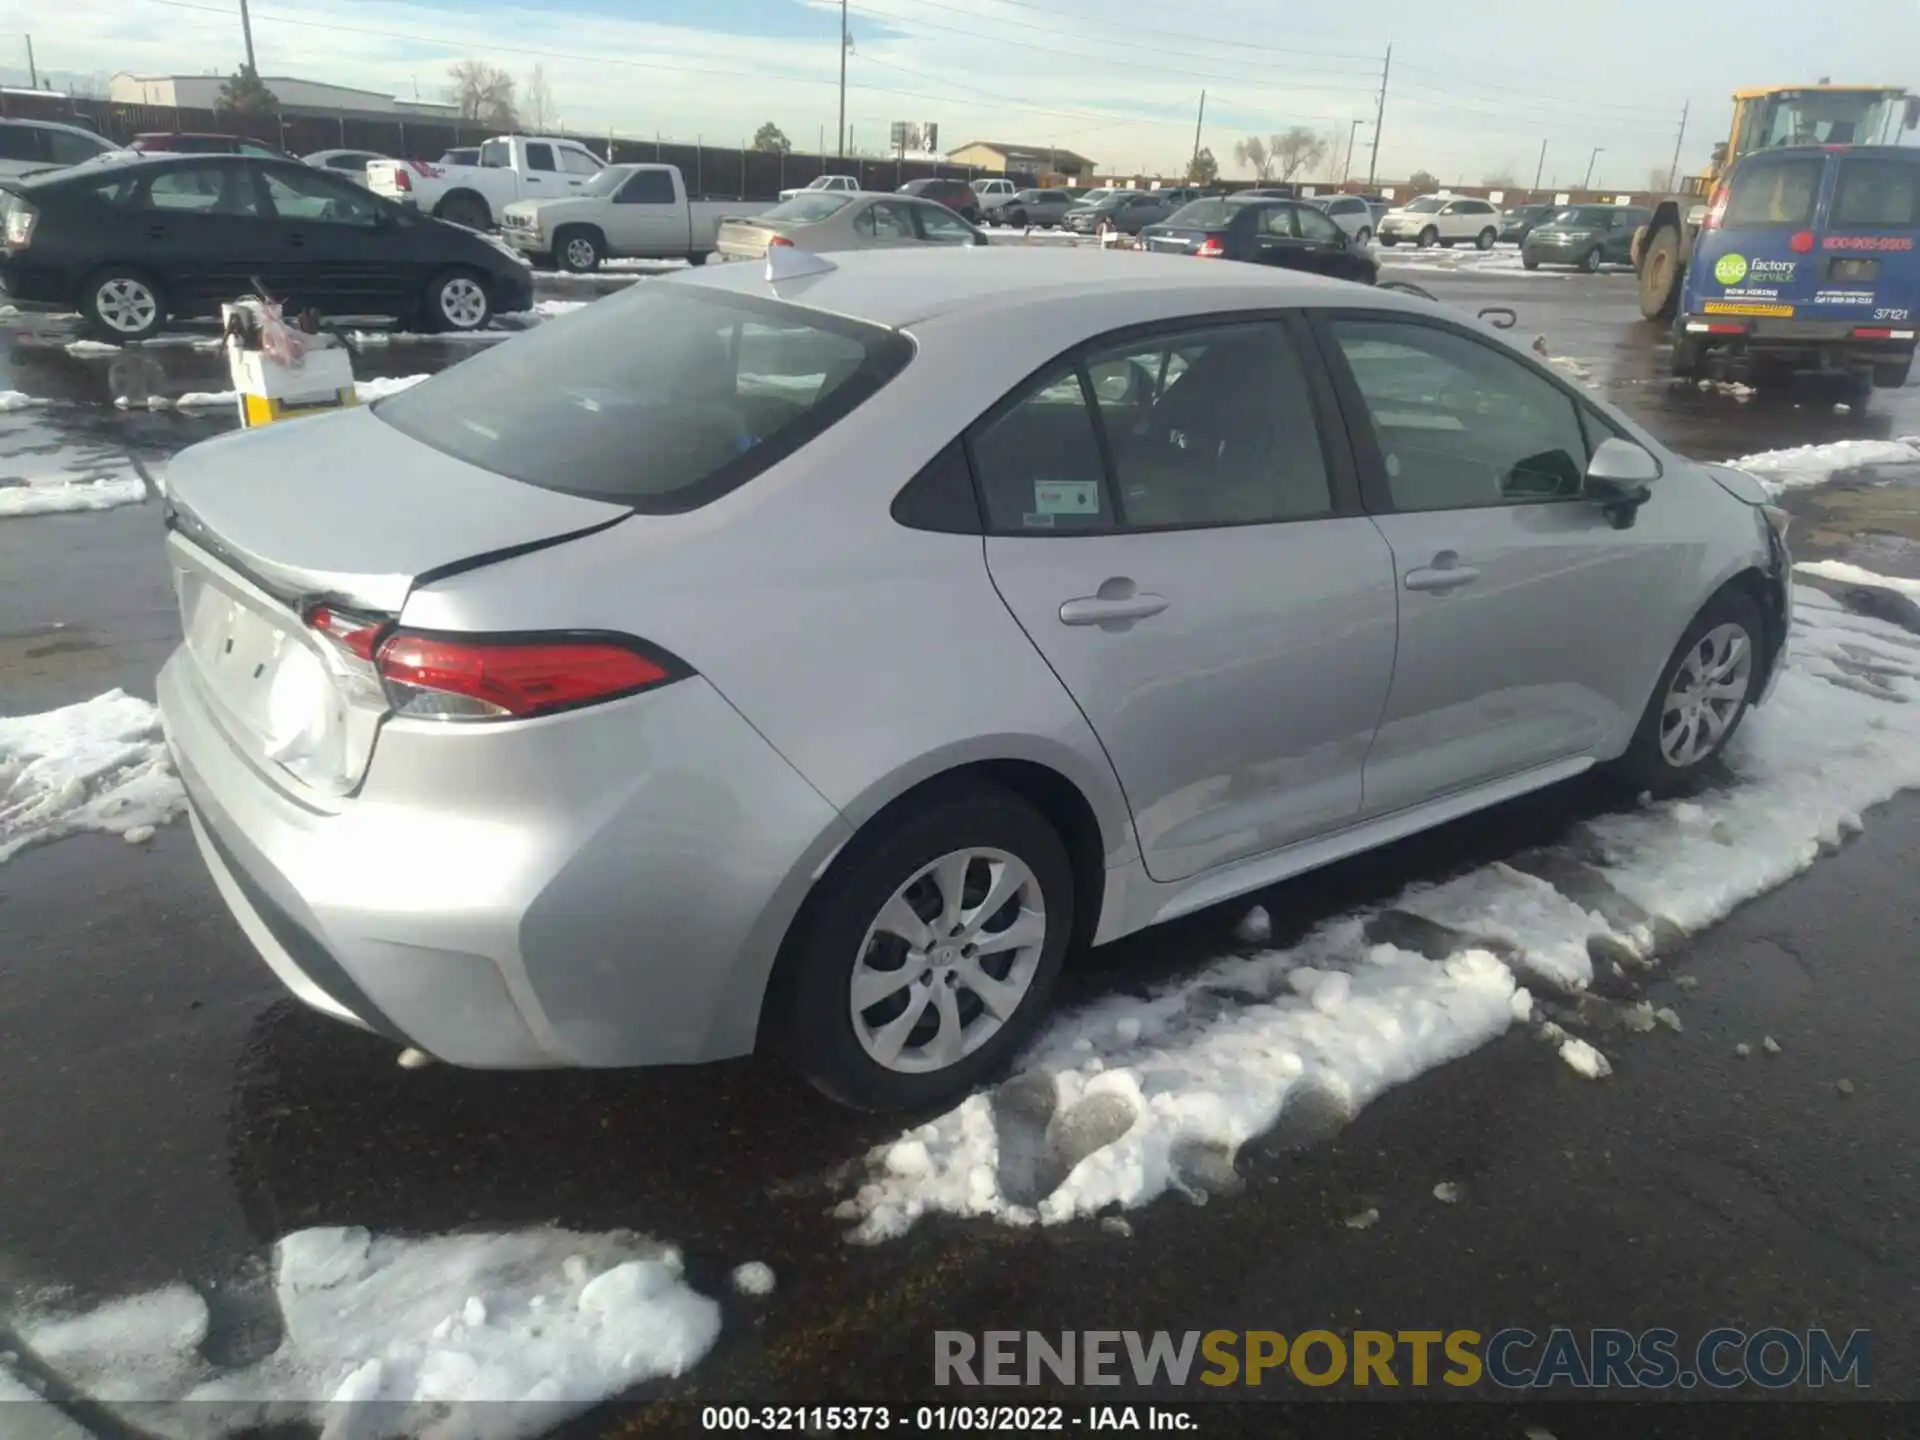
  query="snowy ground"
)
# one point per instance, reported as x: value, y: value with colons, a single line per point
x: 383, y: 1336
x: 1123, y: 1101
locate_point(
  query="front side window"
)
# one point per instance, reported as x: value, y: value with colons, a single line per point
x: 1315, y: 226
x: 661, y: 398
x: 1459, y: 424
x: 19, y: 142
x: 942, y: 226
x: 67, y: 149
x: 1211, y: 427
x: 313, y: 196
x: 578, y: 162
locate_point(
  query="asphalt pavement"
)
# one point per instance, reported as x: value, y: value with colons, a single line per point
x: 169, y: 1112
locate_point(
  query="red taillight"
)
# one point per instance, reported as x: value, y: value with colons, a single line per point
x: 353, y: 633
x: 1801, y: 243
x: 1872, y: 332
x: 1211, y: 248
x: 446, y: 678
x: 1726, y: 327
x: 1716, y: 208
x: 402, y: 180
x: 773, y: 240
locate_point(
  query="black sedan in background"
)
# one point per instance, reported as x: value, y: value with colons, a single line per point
x: 135, y: 243
x: 1286, y: 233
x: 1517, y: 221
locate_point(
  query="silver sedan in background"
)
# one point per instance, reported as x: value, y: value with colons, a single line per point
x: 822, y: 221
x: 816, y: 655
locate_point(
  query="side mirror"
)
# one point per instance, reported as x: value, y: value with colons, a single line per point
x: 1617, y: 478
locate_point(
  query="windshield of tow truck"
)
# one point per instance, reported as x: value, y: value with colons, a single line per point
x: 1823, y: 117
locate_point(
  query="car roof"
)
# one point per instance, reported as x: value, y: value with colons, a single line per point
x: 113, y: 162
x: 55, y: 125
x: 897, y: 288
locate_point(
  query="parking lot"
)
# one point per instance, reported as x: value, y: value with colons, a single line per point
x: 172, y: 1113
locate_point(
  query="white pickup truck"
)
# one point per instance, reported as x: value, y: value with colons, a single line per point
x: 832, y: 184
x: 512, y: 167
x: 626, y: 211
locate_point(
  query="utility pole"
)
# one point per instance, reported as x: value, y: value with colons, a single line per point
x: 1197, y: 122
x: 1379, y: 114
x: 840, y: 133
x: 1586, y: 183
x: 1541, y: 166
x: 33, y: 74
x: 246, y: 29
x: 1674, y: 172
x: 1346, y: 171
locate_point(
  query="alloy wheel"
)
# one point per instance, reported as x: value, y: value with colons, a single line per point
x: 126, y: 305
x: 1704, y: 700
x: 948, y: 960
x: 580, y: 253
x: 463, y: 302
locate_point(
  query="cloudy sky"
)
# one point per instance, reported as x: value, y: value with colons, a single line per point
x: 1476, y: 85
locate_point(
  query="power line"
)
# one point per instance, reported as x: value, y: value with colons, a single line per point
x: 899, y: 20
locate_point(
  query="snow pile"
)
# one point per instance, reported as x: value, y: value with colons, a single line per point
x: 98, y: 765
x: 1128, y: 1098
x: 192, y: 400
x: 92, y: 347
x: 1807, y: 465
x: 1847, y: 574
x: 417, y: 1336
x: 753, y: 1278
x: 15, y: 400
x: 101, y: 487
x: 377, y: 387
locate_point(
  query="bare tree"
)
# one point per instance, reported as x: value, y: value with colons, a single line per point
x: 483, y: 92
x: 1252, y: 153
x: 1299, y: 149
x: 536, y: 106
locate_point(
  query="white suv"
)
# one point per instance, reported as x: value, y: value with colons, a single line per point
x: 994, y: 193
x: 1349, y: 212
x: 1441, y: 220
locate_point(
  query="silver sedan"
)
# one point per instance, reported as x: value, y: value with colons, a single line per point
x: 822, y: 221
x: 818, y: 653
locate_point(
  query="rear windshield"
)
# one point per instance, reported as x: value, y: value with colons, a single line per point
x: 1202, y: 214
x: 660, y: 398
x: 808, y: 208
x: 1774, y: 192
x: 1876, y: 194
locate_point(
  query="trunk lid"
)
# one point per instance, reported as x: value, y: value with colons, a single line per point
x: 340, y: 511
x: 744, y: 239
x: 1166, y: 240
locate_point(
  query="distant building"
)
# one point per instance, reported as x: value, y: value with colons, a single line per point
x: 296, y: 97
x: 1027, y: 159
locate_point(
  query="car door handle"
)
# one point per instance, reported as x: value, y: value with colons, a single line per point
x: 1108, y: 610
x: 1446, y: 573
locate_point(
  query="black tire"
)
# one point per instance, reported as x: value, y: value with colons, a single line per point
x: 1016, y: 218
x: 812, y: 1018
x: 465, y: 209
x: 579, y: 248
x: 698, y: 258
x: 458, y: 301
x: 1389, y: 241
x: 1429, y: 238
x: 1590, y: 262
x: 1527, y: 262
x: 119, y: 288
x: 1484, y: 240
x: 1688, y: 352
x: 1644, y: 766
x: 1364, y: 237
x: 1661, y: 274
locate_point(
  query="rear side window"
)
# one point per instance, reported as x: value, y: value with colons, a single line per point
x: 803, y: 209
x: 1874, y: 194
x: 495, y: 155
x: 1774, y: 192
x: 64, y: 148
x: 1039, y: 462
x: 1203, y: 214
x: 662, y: 398
x: 539, y: 157
x: 18, y: 142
